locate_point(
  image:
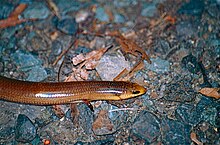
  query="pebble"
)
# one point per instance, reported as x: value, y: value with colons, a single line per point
x: 30, y: 64
x: 146, y: 126
x: 66, y: 6
x: 213, y: 11
x: 191, y: 64
x: 25, y: 130
x: 37, y: 74
x: 211, y: 114
x: 194, y: 7
x: 25, y: 60
x: 158, y: 65
x: 175, y: 132
x: 187, y: 114
x: 85, y: 118
x: 124, y: 3
x: 101, y: 15
x: 118, y: 18
x: 36, y: 10
x: 67, y: 25
x: 149, y: 10
x: 108, y: 70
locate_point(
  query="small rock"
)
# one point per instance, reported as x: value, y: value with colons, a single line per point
x: 124, y: 3
x: 25, y: 60
x: 211, y: 114
x: 213, y: 11
x: 102, y: 125
x: 81, y: 49
x: 111, y: 65
x: 175, y: 132
x: 66, y: 6
x: 37, y: 74
x: 101, y: 14
x: 194, y: 7
x: 30, y: 64
x: 119, y: 18
x: 36, y: 10
x: 158, y: 65
x: 25, y: 130
x: 149, y: 10
x: 68, y: 26
x: 85, y: 118
x: 146, y: 126
x: 191, y: 64
x: 187, y: 114
x: 57, y: 47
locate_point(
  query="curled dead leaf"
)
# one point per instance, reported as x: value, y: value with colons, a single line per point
x: 211, y: 92
x: 194, y: 138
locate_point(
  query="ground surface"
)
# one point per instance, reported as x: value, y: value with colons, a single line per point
x: 182, y: 39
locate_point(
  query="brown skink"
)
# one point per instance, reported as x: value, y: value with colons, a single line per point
x: 47, y: 93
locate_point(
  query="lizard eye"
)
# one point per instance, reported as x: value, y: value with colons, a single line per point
x: 135, y: 92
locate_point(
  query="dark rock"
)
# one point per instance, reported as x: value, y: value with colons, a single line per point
x: 30, y: 64
x: 81, y: 49
x: 36, y: 10
x: 101, y: 15
x: 68, y: 26
x: 191, y: 114
x: 37, y: 74
x: 175, y: 132
x: 25, y: 60
x: 146, y: 126
x: 194, y: 7
x: 190, y: 63
x: 207, y: 134
x: 25, y: 130
x: 213, y: 10
x: 85, y: 118
x: 211, y: 114
x: 1, y: 65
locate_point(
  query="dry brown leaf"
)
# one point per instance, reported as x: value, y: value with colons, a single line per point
x: 129, y: 46
x: 211, y: 92
x: 102, y: 124
x: 86, y: 63
x: 194, y: 138
x: 78, y: 59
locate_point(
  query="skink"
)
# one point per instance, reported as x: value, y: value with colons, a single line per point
x: 47, y: 93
